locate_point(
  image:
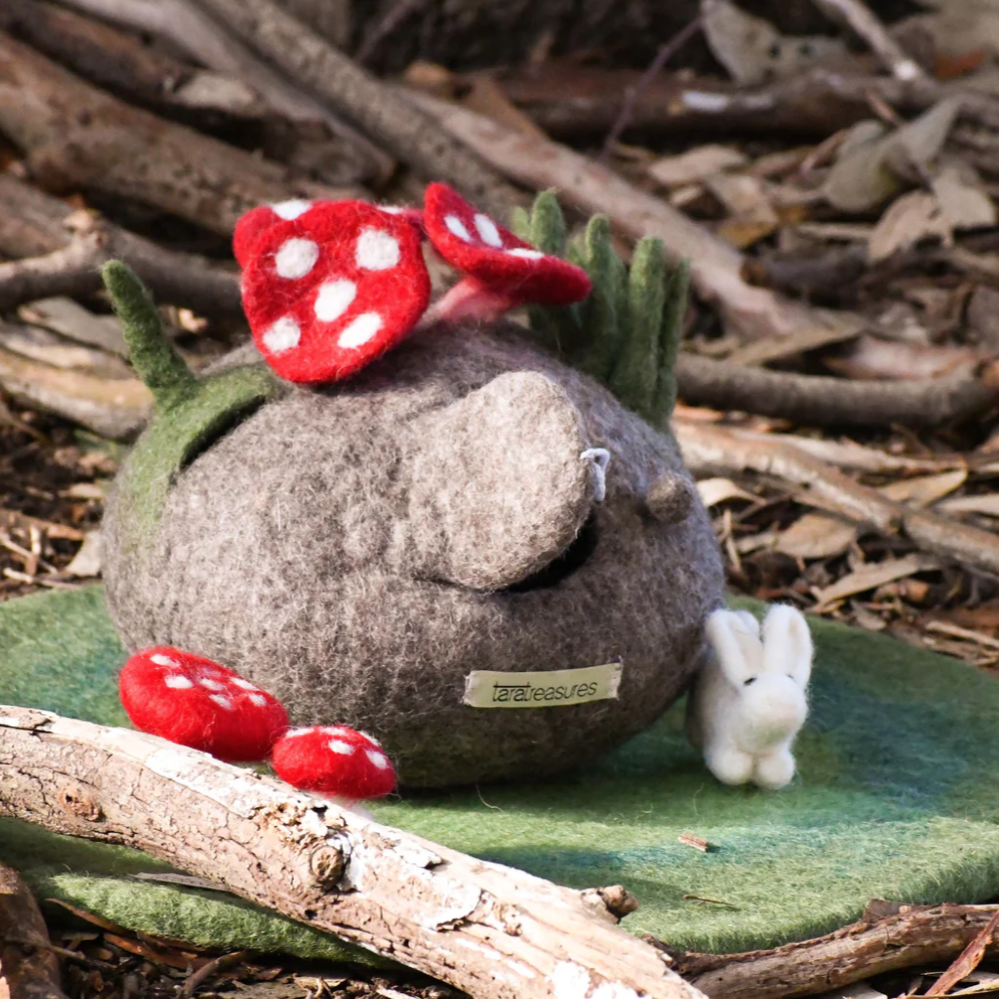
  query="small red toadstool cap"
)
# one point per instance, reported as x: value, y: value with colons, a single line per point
x: 334, y: 760
x: 197, y: 703
x: 331, y: 290
x: 472, y: 242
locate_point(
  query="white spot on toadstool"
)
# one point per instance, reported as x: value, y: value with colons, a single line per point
x: 289, y: 210
x: 380, y: 760
x: 391, y: 209
x: 457, y: 227
x: 361, y: 330
x: 238, y: 681
x: 221, y: 700
x: 377, y: 250
x: 282, y: 336
x: 488, y: 231
x: 520, y: 251
x: 259, y: 700
x: 334, y: 299
x: 369, y: 736
x: 162, y: 660
x: 210, y: 684
x: 178, y: 682
x: 341, y: 747
x: 292, y: 733
x: 337, y: 730
x: 296, y: 258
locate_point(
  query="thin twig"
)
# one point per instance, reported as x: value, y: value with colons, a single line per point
x: 664, y: 53
x: 860, y: 18
x: 376, y: 33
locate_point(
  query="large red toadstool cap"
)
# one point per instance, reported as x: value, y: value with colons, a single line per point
x: 472, y: 242
x: 197, y: 703
x: 334, y: 760
x: 329, y: 291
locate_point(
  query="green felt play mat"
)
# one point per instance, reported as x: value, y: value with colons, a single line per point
x: 897, y: 797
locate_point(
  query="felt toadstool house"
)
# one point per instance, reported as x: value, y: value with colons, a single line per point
x: 475, y: 541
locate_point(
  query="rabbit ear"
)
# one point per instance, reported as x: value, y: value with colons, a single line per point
x: 787, y: 643
x: 736, y: 647
x: 749, y: 620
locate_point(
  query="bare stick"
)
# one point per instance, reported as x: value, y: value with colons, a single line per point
x: 28, y: 967
x: 76, y: 135
x: 664, y: 53
x: 824, y: 402
x: 349, y: 90
x: 492, y: 931
x: 709, y: 450
x: 715, y: 266
x: 872, y: 31
x: 34, y: 225
x: 908, y: 936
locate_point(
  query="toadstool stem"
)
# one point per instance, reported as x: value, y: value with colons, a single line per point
x: 152, y: 355
x: 471, y: 299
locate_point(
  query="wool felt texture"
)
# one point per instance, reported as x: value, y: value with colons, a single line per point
x: 256, y: 221
x: 336, y: 760
x: 357, y: 550
x: 472, y: 242
x: 897, y: 796
x: 333, y: 288
x: 197, y: 703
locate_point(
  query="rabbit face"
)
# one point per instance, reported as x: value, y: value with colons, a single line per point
x: 774, y: 708
x: 360, y: 550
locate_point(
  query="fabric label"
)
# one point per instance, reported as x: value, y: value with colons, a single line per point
x: 553, y: 689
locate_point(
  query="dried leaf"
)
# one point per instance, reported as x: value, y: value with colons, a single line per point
x: 817, y: 536
x: 714, y: 491
x: 909, y: 220
x: 695, y: 164
x: 871, y: 576
x: 87, y: 561
x: 925, y: 489
x: 963, y: 203
x: 984, y: 503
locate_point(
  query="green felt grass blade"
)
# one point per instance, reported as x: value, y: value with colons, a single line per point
x: 149, y: 351
x: 548, y: 225
x: 601, y: 313
x: 897, y: 796
x: 636, y: 371
x: 520, y: 223
x: 677, y: 295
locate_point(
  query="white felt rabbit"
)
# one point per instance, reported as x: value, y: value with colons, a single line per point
x: 749, y: 702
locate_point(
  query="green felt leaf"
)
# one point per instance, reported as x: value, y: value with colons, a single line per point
x: 677, y: 296
x: 547, y: 225
x: 604, y: 313
x: 897, y: 797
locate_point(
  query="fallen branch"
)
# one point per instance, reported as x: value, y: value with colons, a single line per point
x: 343, y: 86
x: 28, y: 967
x: 716, y: 268
x: 711, y: 450
x: 78, y: 136
x: 821, y: 401
x: 33, y: 224
x: 492, y: 931
x: 908, y: 936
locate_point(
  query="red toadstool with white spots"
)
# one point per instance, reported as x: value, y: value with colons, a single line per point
x: 195, y: 702
x: 329, y: 291
x: 334, y: 760
x: 502, y: 271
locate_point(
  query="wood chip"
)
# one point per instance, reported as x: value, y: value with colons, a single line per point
x: 925, y: 489
x: 985, y: 503
x: 695, y: 164
x: 697, y: 842
x: 817, y: 536
x: 968, y: 960
x: 714, y: 491
x: 87, y: 561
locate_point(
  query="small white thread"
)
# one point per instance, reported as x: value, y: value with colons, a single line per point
x: 599, y: 459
